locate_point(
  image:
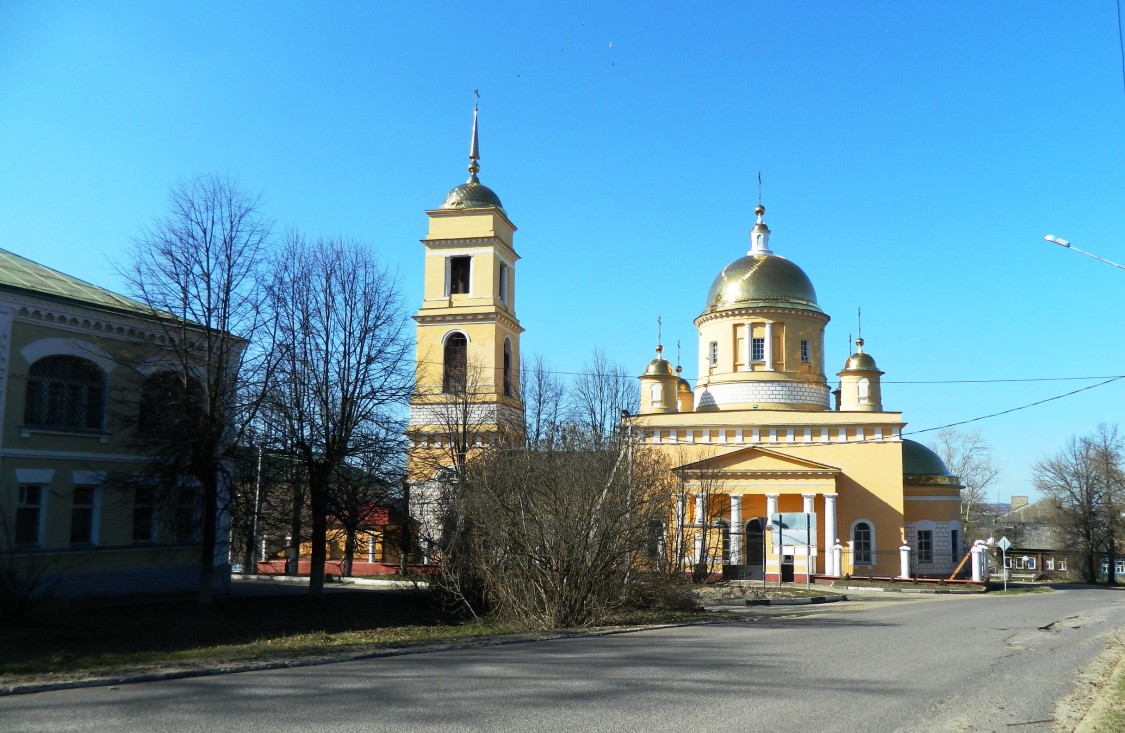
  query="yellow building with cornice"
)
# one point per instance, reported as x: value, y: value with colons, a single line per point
x: 759, y: 436
x: 468, y: 339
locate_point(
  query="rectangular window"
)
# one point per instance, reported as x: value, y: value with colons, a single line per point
x: 757, y: 349
x: 144, y: 514
x: 804, y: 352
x: 29, y: 510
x: 503, y: 290
x: 185, y: 517
x: 83, y: 516
x: 459, y: 271
x: 1062, y: 564
x: 1020, y: 562
x: 1049, y: 563
x: 955, y: 544
x: 713, y: 353
x: 925, y: 545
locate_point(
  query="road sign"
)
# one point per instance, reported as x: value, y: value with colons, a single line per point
x: 1004, y: 544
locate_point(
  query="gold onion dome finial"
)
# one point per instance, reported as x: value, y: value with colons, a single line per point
x: 659, y: 365
x: 473, y: 194
x: 859, y: 360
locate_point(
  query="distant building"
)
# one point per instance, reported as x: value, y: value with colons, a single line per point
x: 77, y: 403
x: 1039, y: 548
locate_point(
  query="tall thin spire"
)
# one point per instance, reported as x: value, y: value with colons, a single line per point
x: 474, y: 146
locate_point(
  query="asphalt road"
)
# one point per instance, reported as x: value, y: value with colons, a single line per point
x: 890, y: 663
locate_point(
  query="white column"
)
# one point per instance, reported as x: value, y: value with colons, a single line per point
x: 830, y: 534
x: 681, y: 519
x: 773, y: 560
x: 735, y: 529
x: 700, y: 518
x: 837, y: 559
x: 748, y: 327
x: 808, y: 507
x: 769, y: 346
x: 370, y: 548
x: 904, y: 562
x: 980, y: 561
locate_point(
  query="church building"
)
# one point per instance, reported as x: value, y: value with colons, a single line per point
x: 759, y: 436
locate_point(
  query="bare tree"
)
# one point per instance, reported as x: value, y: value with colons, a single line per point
x: 198, y: 269
x: 343, y: 365
x: 701, y: 539
x: 969, y: 457
x: 599, y: 394
x: 1084, y: 479
x: 557, y: 536
x: 543, y: 400
x: 361, y: 494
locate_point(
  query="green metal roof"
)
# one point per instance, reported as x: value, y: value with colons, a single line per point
x: 918, y: 460
x: 19, y: 274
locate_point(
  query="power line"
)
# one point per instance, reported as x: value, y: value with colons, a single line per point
x: 1014, y: 409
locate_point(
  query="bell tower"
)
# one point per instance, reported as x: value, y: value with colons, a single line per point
x: 468, y: 336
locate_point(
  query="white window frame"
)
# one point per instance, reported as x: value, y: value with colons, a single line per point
x: 870, y: 562
x: 40, y: 508
x: 94, y: 507
x: 502, y: 289
x: 713, y: 353
x: 925, y: 540
x: 757, y: 348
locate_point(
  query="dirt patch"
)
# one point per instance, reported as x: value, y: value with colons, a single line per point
x: 754, y: 592
x: 1079, y: 712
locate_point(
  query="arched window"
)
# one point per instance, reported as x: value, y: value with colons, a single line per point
x: 454, y: 363
x: 656, y: 394
x: 508, y: 367
x: 861, y: 543
x: 755, y: 543
x: 65, y: 392
x: 170, y: 405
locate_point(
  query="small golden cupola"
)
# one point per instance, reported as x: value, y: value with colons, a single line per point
x: 684, y: 394
x: 860, y: 390
x: 659, y: 386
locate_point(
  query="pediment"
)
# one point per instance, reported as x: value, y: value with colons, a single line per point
x: 757, y: 460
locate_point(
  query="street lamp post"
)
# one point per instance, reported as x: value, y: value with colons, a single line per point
x: 1064, y: 243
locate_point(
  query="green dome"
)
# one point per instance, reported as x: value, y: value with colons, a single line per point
x: 473, y: 195
x: 918, y: 460
x: 761, y: 280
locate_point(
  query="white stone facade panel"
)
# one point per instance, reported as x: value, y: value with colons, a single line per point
x: 800, y: 393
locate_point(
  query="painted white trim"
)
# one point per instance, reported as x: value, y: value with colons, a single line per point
x: 88, y: 478
x: 41, y: 476
x: 851, y: 542
x: 452, y: 331
x: 42, y: 348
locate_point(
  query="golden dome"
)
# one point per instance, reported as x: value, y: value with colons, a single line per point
x: 658, y: 367
x: 860, y: 361
x: 473, y: 195
x: 683, y: 387
x: 761, y: 280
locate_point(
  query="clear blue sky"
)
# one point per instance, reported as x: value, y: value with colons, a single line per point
x: 913, y: 157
